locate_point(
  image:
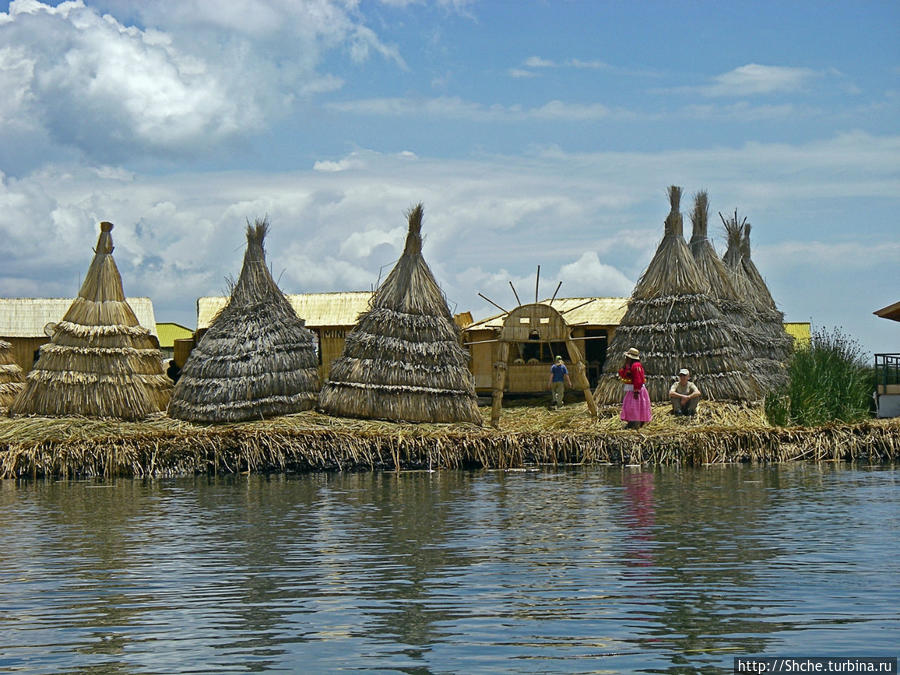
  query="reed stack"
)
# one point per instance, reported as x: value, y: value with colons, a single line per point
x: 12, y: 379
x: 403, y: 361
x: 674, y: 323
x: 100, y: 361
x: 257, y: 359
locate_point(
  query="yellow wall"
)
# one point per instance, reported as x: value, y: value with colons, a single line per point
x: 800, y: 331
x: 169, y: 332
x: 23, y: 350
x: 331, y: 346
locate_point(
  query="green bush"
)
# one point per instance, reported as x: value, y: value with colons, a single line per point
x: 829, y: 381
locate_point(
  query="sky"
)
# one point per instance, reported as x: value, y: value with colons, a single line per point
x: 535, y: 133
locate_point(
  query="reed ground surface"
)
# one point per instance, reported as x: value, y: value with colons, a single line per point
x: 529, y: 435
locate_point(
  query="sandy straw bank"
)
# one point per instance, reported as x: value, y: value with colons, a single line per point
x: 310, y: 441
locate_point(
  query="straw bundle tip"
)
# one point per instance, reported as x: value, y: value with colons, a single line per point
x: 106, y: 226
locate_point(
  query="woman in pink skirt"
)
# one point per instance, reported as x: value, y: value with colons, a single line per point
x: 636, y: 402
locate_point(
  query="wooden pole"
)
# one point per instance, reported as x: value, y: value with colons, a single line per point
x: 580, y: 380
x: 498, y: 381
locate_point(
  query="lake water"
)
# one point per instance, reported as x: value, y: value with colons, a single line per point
x: 600, y: 569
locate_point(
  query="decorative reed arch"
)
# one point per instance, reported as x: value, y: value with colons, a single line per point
x: 541, y: 324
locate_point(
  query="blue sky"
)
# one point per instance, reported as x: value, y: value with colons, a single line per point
x: 535, y: 133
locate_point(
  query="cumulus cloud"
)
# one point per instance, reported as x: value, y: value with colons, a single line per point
x: 197, y: 74
x: 755, y: 79
x: 590, y: 220
x: 588, y: 276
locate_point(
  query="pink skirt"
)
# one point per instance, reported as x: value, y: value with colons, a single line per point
x: 636, y: 409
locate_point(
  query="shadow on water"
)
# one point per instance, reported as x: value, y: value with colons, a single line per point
x: 621, y: 569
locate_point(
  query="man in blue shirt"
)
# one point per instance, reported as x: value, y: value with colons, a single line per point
x: 559, y: 378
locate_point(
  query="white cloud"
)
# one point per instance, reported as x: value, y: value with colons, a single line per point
x: 361, y: 244
x: 538, y: 62
x: 754, y: 79
x: 591, y: 65
x: 198, y: 75
x: 590, y: 220
x: 588, y: 276
x: 456, y: 108
x: 520, y: 73
x: 354, y: 161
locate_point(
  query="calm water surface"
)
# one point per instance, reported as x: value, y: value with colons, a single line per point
x: 603, y: 569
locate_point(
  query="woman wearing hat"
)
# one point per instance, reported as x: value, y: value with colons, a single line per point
x: 636, y: 401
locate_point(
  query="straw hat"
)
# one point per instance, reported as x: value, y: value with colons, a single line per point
x: 633, y: 353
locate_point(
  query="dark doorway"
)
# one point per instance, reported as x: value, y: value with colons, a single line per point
x: 594, y: 353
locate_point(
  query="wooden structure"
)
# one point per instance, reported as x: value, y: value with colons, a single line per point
x: 887, y: 372
x: 27, y: 323
x: 591, y: 323
x: 513, y: 352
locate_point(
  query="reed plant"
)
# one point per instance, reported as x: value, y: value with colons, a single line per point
x: 829, y: 381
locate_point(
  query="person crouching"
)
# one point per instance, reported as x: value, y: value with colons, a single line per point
x: 684, y: 394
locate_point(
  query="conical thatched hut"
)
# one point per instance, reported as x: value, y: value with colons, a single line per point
x: 673, y: 322
x: 734, y: 308
x: 771, y: 344
x: 257, y: 359
x: 12, y: 379
x: 100, y: 361
x: 403, y: 361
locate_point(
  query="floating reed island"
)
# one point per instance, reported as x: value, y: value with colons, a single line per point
x: 311, y: 441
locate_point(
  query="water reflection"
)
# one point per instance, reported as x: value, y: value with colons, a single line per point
x: 582, y: 569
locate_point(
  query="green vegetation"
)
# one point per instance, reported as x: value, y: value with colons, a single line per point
x: 829, y: 382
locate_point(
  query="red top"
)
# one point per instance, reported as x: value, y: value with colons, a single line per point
x: 633, y: 374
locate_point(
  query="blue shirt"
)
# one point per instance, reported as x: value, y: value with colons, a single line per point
x: 559, y: 372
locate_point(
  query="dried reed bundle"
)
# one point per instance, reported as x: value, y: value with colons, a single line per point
x: 308, y: 441
x: 771, y: 346
x: 733, y: 307
x: 257, y: 359
x: 403, y: 360
x: 673, y: 321
x: 100, y: 361
x: 12, y: 379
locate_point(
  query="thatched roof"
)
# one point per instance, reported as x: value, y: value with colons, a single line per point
x: 577, y: 312
x: 403, y: 360
x: 100, y: 361
x: 891, y: 312
x: 672, y: 320
x: 319, y: 310
x: 257, y: 359
x: 35, y: 317
x: 12, y: 379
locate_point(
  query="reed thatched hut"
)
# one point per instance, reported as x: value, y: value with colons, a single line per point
x: 733, y: 307
x: 403, y: 360
x: 257, y: 359
x: 12, y: 379
x: 28, y: 323
x: 673, y: 322
x: 100, y: 362
x: 330, y: 316
x: 771, y: 346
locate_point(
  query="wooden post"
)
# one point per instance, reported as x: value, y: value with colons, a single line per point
x: 498, y: 380
x: 580, y: 381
